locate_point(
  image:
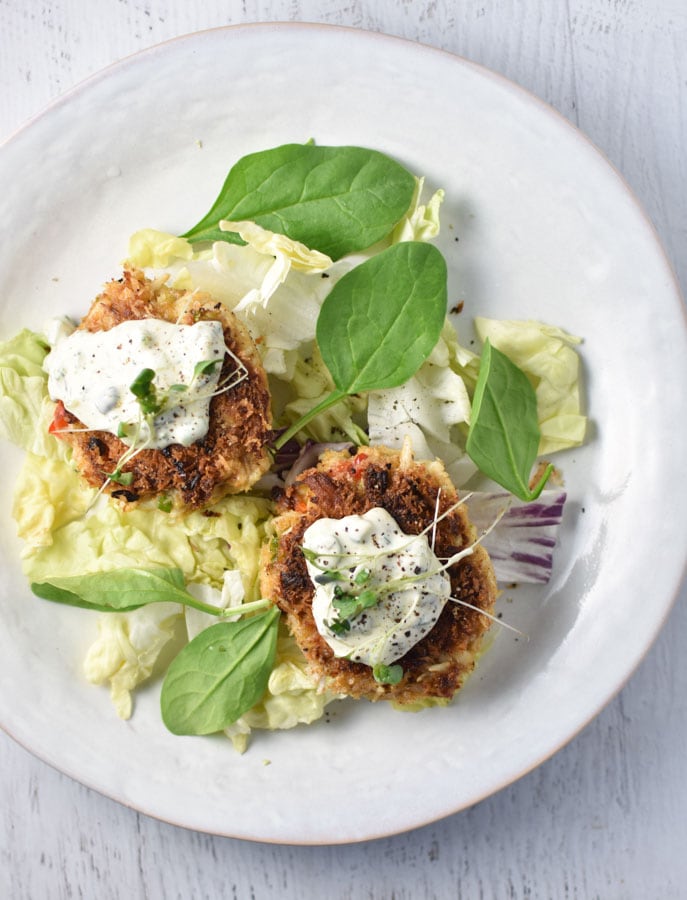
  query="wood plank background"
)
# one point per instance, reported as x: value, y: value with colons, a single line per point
x: 607, y: 816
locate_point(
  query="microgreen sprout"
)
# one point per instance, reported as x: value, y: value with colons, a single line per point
x: 119, y: 477
x: 144, y: 390
x: 387, y: 674
x: 364, y: 559
x: 362, y: 576
x: 435, y: 519
x: 206, y: 367
x: 338, y: 627
x: 350, y: 606
x: 489, y: 616
x: 327, y: 576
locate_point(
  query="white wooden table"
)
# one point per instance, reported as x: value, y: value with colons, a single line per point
x: 607, y: 816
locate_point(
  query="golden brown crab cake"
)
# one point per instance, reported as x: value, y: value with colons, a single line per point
x: 232, y: 455
x: 352, y: 483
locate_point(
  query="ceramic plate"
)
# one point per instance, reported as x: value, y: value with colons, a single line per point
x: 535, y: 225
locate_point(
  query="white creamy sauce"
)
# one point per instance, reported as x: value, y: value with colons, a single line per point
x: 92, y: 374
x: 370, y: 552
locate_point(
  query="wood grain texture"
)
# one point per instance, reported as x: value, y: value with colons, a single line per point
x: 607, y: 816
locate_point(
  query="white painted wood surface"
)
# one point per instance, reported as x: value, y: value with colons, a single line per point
x: 607, y: 816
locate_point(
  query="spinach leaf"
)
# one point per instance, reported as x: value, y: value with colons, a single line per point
x: 504, y: 432
x: 118, y: 590
x: 380, y: 322
x: 219, y: 675
x: 121, y: 590
x: 333, y: 199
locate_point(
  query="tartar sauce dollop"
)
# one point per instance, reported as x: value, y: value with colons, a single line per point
x: 91, y: 372
x: 370, y: 553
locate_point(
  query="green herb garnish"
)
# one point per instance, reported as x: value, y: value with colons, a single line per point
x: 349, y: 606
x: 145, y: 392
x: 387, y: 674
x: 205, y: 367
x: 119, y: 477
x: 362, y: 576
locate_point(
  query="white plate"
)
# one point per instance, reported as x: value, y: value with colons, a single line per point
x: 547, y: 231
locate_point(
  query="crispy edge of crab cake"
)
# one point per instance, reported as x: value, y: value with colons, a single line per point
x: 345, y: 483
x: 231, y: 457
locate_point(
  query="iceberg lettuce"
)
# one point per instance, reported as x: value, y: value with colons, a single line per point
x: 421, y: 222
x: 48, y: 496
x: 127, y: 648
x: 430, y: 408
x: 149, y: 248
x: 310, y: 383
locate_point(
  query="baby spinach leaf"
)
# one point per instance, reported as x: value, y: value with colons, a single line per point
x: 220, y: 674
x: 504, y: 432
x: 380, y: 322
x: 116, y: 591
x: 383, y: 318
x: 333, y: 199
x: 121, y: 590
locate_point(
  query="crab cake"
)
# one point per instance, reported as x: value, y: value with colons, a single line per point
x: 355, y: 483
x: 229, y: 457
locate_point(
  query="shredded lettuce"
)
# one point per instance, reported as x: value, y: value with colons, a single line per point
x: 127, y: 648
x: 49, y: 495
x: 289, y: 253
x: 310, y: 384
x: 149, y: 248
x: 421, y: 222
x: 430, y: 408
